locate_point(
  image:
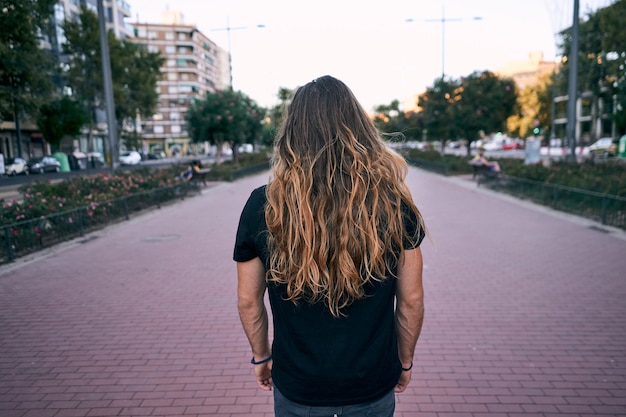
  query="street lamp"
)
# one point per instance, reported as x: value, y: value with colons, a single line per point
x: 443, y: 21
x: 228, y: 29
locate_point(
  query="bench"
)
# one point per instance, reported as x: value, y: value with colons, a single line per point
x: 200, y: 175
x: 482, y: 172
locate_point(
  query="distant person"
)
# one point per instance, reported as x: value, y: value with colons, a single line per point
x: 480, y: 159
x: 334, y: 239
x: 187, y: 174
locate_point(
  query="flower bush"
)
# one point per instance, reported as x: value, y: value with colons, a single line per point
x: 43, y: 198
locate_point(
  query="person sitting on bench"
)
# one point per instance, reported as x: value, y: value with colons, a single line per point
x: 480, y: 160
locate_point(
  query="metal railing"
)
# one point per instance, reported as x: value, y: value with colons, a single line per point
x: 438, y: 167
x: 607, y: 209
x: 30, y: 236
x: 604, y: 208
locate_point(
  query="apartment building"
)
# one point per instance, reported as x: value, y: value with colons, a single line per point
x: 527, y: 72
x: 116, y: 13
x: 194, y: 65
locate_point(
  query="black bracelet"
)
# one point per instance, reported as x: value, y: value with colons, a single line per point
x: 253, y: 362
x: 407, y: 369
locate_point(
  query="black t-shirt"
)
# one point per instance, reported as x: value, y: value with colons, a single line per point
x: 319, y: 359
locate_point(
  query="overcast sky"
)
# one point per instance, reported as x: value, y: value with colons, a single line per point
x: 369, y: 44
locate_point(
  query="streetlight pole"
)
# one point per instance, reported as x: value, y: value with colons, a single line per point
x: 572, y: 88
x: 228, y: 28
x: 443, y: 20
x: 108, y: 87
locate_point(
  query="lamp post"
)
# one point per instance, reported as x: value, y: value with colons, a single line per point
x: 572, y: 87
x: 228, y: 29
x: 443, y: 20
x: 108, y: 88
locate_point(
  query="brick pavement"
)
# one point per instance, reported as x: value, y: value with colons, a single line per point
x: 525, y: 315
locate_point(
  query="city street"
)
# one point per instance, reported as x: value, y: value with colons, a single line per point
x: 525, y: 314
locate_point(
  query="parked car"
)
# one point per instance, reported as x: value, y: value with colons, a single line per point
x: 130, y: 158
x: 509, y: 144
x: 14, y: 166
x: 153, y: 156
x: 45, y: 164
x: 603, y: 147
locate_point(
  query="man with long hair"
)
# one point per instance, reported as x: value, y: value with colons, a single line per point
x: 334, y: 239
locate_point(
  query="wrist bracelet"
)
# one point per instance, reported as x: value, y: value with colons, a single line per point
x: 407, y: 369
x: 253, y: 362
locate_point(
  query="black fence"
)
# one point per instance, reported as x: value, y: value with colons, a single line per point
x: 604, y: 208
x: 30, y: 236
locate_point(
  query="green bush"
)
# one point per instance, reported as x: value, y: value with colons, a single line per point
x: 607, y: 177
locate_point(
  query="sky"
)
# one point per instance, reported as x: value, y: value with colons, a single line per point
x: 383, y: 50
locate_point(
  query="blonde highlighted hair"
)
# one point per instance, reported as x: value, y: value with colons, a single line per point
x: 335, y: 204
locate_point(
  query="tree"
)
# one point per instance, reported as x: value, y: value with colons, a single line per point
x: 84, y: 74
x: 483, y: 102
x: 534, y: 109
x: 60, y: 118
x: 437, y: 103
x: 24, y: 67
x: 134, y: 71
x: 227, y: 116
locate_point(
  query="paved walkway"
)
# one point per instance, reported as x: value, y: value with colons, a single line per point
x: 526, y: 315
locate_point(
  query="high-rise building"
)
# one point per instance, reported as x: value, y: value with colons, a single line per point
x: 194, y: 65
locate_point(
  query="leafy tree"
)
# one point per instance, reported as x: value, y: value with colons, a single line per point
x: 134, y: 71
x: 24, y: 67
x: 534, y: 109
x: 437, y: 103
x: 84, y: 74
x: 483, y: 102
x: 225, y: 117
x: 60, y: 118
x: 276, y: 114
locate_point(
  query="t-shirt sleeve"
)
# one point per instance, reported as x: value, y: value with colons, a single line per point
x: 249, y: 227
x: 413, y: 226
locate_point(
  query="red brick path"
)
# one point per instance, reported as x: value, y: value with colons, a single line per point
x: 526, y: 315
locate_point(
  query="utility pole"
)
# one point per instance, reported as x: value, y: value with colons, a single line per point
x: 572, y: 86
x: 443, y: 20
x: 228, y: 28
x: 108, y: 88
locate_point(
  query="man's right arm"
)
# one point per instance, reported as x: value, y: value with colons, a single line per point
x: 409, y: 310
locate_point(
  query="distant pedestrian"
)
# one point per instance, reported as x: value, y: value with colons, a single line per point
x: 334, y: 238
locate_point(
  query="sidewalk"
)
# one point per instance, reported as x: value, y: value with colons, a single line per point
x: 525, y: 314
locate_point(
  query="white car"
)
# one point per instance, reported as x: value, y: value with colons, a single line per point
x: 14, y: 166
x: 130, y: 158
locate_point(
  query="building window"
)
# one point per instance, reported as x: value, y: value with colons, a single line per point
x: 152, y: 35
x: 175, y: 128
x: 172, y: 76
x: 172, y: 89
x: 182, y: 36
x: 170, y: 36
x: 158, y: 129
x: 171, y: 62
x: 174, y: 115
x: 153, y: 48
x: 170, y: 49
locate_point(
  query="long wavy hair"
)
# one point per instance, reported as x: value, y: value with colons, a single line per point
x: 334, y: 213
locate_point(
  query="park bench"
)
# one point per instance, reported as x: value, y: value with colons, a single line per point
x: 482, y: 173
x: 200, y: 175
